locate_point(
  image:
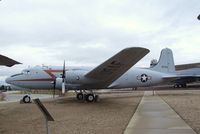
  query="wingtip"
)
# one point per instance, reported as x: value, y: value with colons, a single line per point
x: 6, y: 61
x: 10, y: 65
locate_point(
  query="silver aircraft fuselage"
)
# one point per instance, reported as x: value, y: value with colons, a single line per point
x: 43, y: 77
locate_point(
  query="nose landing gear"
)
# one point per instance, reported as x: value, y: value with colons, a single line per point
x: 26, y: 99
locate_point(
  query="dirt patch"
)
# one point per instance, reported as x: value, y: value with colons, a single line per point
x: 108, y: 116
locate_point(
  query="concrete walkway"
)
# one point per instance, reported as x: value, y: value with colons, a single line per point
x: 154, y: 116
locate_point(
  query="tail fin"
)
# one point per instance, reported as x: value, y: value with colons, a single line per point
x: 166, y: 62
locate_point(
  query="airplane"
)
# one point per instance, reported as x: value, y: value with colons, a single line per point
x: 187, y: 66
x: 183, y: 69
x: 115, y: 73
x: 182, y: 82
x: 7, y: 61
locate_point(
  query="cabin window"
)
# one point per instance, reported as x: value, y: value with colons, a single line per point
x: 26, y: 72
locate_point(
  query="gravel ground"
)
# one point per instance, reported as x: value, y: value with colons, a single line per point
x: 186, y: 103
x: 108, y: 116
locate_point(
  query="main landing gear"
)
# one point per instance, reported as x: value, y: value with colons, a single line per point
x: 177, y: 85
x: 89, y: 97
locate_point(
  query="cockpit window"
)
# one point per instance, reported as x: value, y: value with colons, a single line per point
x: 16, y: 75
x: 26, y: 71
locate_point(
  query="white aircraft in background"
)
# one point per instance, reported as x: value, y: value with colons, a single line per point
x: 190, y: 69
x: 182, y: 82
x: 5, y: 61
x: 115, y: 73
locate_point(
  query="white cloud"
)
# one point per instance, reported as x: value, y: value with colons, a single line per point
x: 88, y: 32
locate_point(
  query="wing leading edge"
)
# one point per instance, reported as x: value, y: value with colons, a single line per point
x: 113, y: 68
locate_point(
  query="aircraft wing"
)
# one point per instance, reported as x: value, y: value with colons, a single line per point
x: 187, y: 66
x: 182, y: 78
x: 117, y: 65
x: 7, y: 61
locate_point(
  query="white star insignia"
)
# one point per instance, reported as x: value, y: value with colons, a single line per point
x: 144, y: 78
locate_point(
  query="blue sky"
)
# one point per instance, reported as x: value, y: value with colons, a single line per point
x: 87, y: 32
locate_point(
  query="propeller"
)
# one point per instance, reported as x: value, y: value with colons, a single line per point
x: 63, y: 79
x: 54, y: 88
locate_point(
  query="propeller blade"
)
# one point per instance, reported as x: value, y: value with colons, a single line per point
x: 54, y: 88
x: 63, y: 74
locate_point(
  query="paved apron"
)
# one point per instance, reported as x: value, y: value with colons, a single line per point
x: 154, y: 116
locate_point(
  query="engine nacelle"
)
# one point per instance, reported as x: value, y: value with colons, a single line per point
x: 68, y: 86
x: 77, y: 77
x: 58, y: 83
x: 73, y: 80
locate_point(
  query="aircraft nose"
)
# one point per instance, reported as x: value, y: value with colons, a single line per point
x: 8, y: 80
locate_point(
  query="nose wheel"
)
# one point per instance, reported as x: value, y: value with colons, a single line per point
x: 26, y: 99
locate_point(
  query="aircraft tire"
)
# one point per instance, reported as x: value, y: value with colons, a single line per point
x: 184, y: 85
x: 175, y: 86
x: 178, y: 86
x: 26, y: 99
x: 80, y: 96
x: 90, y: 97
